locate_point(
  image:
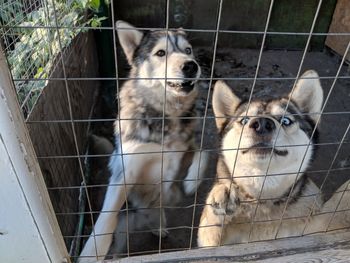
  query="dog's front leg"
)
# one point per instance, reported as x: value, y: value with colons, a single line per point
x: 101, y: 238
x: 195, y: 172
x: 221, y: 205
x: 340, y: 219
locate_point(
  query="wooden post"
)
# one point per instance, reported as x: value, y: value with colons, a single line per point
x: 340, y: 23
x: 29, y: 230
x: 329, y: 247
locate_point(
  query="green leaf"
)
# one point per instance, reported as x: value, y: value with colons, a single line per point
x: 35, y: 53
x: 94, y: 5
x: 95, y: 21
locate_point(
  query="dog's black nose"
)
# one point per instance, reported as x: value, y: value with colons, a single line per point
x: 190, y: 69
x: 262, y: 125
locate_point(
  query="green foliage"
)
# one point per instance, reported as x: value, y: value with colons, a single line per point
x: 34, y: 55
x: 96, y: 21
x: 11, y: 12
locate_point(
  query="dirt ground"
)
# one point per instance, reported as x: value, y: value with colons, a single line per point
x: 238, y: 65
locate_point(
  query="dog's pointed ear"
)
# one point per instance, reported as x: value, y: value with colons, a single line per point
x: 129, y: 38
x: 224, y: 103
x: 308, y: 94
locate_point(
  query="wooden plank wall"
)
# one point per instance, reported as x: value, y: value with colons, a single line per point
x: 287, y: 16
x: 322, y: 248
x: 56, y: 138
x: 297, y: 16
x: 340, y: 24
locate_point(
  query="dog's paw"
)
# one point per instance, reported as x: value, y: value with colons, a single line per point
x: 223, y: 200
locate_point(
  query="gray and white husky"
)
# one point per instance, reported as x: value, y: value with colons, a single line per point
x: 163, y: 77
x: 243, y: 194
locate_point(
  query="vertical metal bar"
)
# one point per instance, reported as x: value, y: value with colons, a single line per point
x: 339, y: 146
x: 345, y: 190
x: 251, y: 95
x: 72, y: 120
x: 163, y: 123
x: 118, y: 118
x: 219, y: 12
x: 316, y: 124
x: 47, y: 22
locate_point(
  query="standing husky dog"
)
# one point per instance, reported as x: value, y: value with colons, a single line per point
x: 162, y: 66
x: 233, y: 204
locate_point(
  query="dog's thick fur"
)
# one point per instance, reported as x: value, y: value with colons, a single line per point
x: 143, y: 175
x: 242, y: 194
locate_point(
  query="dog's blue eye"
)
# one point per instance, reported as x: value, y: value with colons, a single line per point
x: 286, y: 121
x: 160, y: 53
x: 244, y: 120
x: 188, y: 50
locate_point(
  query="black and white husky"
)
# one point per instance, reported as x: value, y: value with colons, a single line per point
x: 243, y: 194
x: 163, y: 77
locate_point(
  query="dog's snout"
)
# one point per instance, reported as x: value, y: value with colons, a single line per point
x: 262, y: 125
x: 190, y: 69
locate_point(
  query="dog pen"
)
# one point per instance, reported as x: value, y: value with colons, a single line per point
x: 61, y: 67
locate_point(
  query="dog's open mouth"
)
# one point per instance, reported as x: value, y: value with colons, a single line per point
x: 186, y: 86
x: 264, y: 149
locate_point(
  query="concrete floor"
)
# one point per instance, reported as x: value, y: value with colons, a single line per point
x: 236, y: 64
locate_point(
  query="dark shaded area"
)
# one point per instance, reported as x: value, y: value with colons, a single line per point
x: 286, y: 16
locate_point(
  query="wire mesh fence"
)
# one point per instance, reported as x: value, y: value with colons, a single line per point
x: 40, y: 41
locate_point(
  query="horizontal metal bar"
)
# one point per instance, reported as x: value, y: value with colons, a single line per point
x: 149, y: 230
x: 183, y: 29
x: 201, y: 78
x: 171, y: 118
x: 174, y: 151
x: 203, y: 179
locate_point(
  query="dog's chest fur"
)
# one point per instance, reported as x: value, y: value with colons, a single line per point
x: 266, y: 213
x: 141, y: 117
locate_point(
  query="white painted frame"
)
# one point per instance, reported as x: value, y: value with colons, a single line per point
x: 29, y: 231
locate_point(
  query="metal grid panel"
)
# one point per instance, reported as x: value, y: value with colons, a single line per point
x: 29, y: 36
x: 10, y: 35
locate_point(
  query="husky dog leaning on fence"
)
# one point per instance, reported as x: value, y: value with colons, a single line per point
x: 162, y: 66
x: 236, y: 199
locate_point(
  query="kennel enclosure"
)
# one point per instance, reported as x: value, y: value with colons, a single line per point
x: 65, y: 100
